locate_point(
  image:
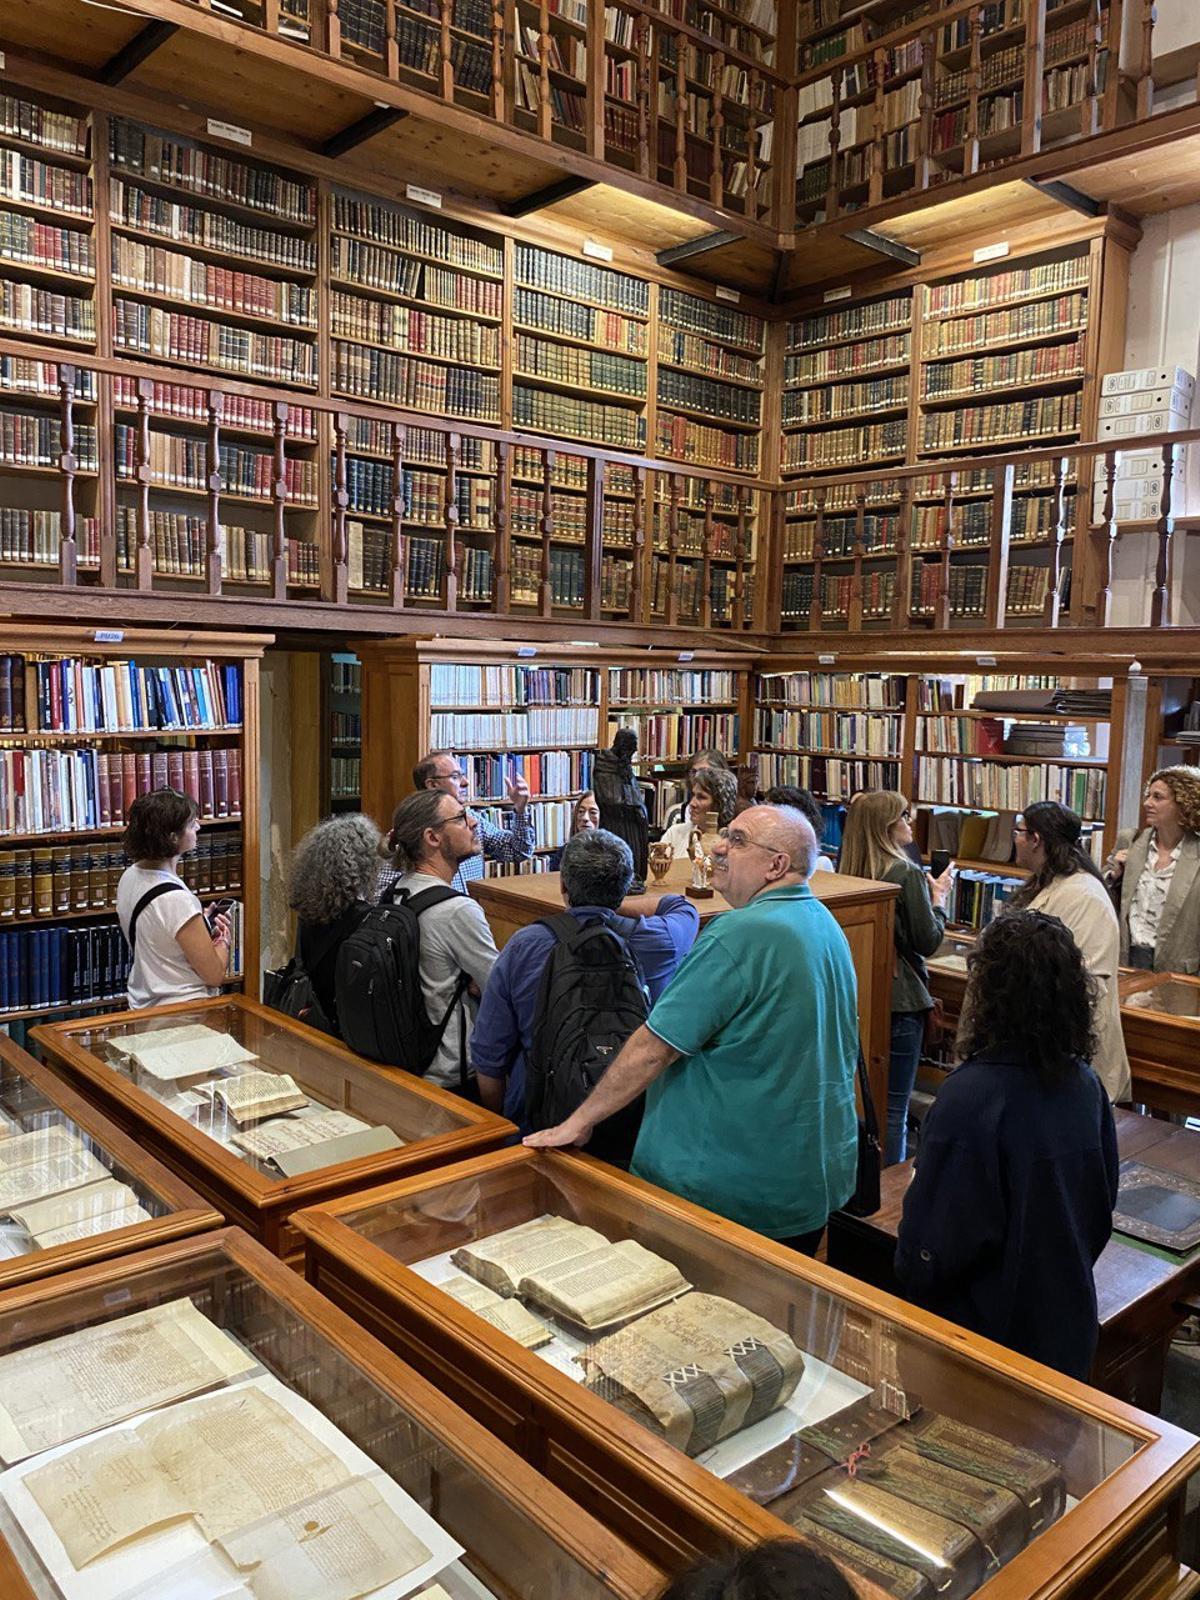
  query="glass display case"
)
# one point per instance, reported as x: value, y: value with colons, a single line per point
x: 260, y: 1113
x: 195, y: 1423
x: 692, y: 1383
x: 74, y: 1188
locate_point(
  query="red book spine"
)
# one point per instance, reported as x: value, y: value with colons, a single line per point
x: 235, y: 783
x: 221, y: 782
x: 129, y: 783
x: 103, y: 794
x: 191, y: 778
x: 143, y: 773
x: 175, y: 770
x: 206, y: 783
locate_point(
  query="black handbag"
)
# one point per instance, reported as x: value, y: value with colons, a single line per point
x: 865, y: 1201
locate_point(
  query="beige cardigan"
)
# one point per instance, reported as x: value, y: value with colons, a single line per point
x: 1178, y: 946
x: 1082, y: 902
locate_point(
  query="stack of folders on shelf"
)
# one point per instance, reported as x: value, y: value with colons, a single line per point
x: 1047, y: 739
x: 1189, y: 734
x: 1056, y: 700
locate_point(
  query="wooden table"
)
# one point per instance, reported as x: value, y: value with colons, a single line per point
x: 1142, y: 1298
x: 864, y: 910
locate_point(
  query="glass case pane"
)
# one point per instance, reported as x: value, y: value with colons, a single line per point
x: 913, y: 1464
x: 189, y: 1431
x: 1175, y: 997
x: 281, y: 1101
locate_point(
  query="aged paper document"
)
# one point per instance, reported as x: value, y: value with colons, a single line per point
x: 46, y: 1144
x: 170, y: 1059
x: 72, y: 1385
x: 59, y: 1211
x: 510, y: 1316
x: 292, y: 1133
x: 107, y: 1491
x: 54, y: 1175
x: 254, y: 1095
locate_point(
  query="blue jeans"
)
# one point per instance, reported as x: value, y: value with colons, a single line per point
x: 908, y: 1029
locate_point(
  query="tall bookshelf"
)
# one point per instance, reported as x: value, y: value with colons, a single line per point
x: 342, y: 729
x: 502, y: 707
x: 87, y: 724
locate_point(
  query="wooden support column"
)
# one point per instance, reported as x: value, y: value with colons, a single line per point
x: 1106, y: 540
x: 68, y: 465
x: 501, y: 562
x: 279, y: 499
x: 398, y: 565
x: 452, y: 545
x: 1000, y: 543
x: 143, y: 564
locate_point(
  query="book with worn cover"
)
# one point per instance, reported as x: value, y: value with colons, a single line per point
x: 896, y: 1578
x: 945, y: 1552
x: 1035, y: 1478
x: 1161, y: 1207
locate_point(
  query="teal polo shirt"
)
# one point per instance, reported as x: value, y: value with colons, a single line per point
x: 757, y: 1121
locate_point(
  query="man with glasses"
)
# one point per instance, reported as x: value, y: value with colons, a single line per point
x: 748, y: 1058
x: 442, y: 770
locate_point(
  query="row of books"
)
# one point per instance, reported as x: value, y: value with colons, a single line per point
x: 398, y: 380
x: 345, y: 777
x: 568, y: 514
x: 79, y: 877
x: 19, y: 374
x: 677, y: 736
x: 421, y: 446
x: 546, y: 269
x: 698, y: 354
x: 848, y: 732
x: 553, y: 314
x: 872, y: 318
x: 551, y: 819
x: 944, y: 380
x: 345, y: 677
x: 880, y: 531
x: 31, y: 242
x: 380, y: 267
x: 669, y: 686
x: 29, y: 309
x: 845, y: 400
x: 44, y: 969
x: 1029, y: 589
x: 535, y: 728
x: 36, y: 441
x: 876, y: 691
x: 568, y: 416
x: 459, y: 684
x: 616, y: 584
x: 77, y: 696
x: 549, y: 773
x: 846, y: 447
x: 980, y: 291
x: 33, y: 538
x: 720, y: 400
x: 371, y: 488
x: 131, y: 206
x: 1018, y: 419
x: 966, y: 588
x: 690, y: 536
x: 567, y: 576
x: 154, y: 270
x: 976, y: 897
x: 412, y: 231
x: 846, y: 360
x: 178, y: 336
x: 74, y: 791
x: 345, y: 727
x: 179, y: 548
x: 168, y: 161
x: 796, y: 593
x: 828, y: 777
x: 178, y: 462
x: 981, y: 330
x: 421, y: 332
x: 588, y: 369
x: 986, y: 785
x: 35, y: 124
x: 185, y: 403
x: 36, y: 183
x: 688, y: 312
x: 681, y: 439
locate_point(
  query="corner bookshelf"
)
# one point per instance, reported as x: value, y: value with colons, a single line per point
x: 87, y: 723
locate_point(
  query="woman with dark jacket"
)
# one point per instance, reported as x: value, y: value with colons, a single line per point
x: 620, y: 798
x: 1011, y: 1202
x: 330, y: 888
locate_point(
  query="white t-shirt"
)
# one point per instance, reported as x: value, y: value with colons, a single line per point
x: 455, y: 937
x: 161, y: 973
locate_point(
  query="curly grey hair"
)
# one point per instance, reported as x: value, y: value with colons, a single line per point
x: 335, y: 864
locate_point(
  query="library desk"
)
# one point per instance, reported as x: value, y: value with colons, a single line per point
x: 1143, y: 1293
x: 381, y: 1255
x: 864, y: 910
x: 521, y: 1537
x: 435, y: 1126
x: 34, y: 1098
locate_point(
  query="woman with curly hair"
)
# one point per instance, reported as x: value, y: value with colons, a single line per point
x: 781, y: 1569
x: 330, y: 888
x: 712, y: 805
x: 1159, y: 874
x: 1016, y: 1178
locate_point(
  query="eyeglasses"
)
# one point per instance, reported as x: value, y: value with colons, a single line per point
x: 1019, y: 827
x: 906, y: 814
x: 458, y: 775
x: 737, y: 840
x: 458, y: 816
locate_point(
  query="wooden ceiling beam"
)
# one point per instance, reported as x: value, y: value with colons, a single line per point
x: 696, y: 247
x: 361, y: 129
x: 539, y: 199
x: 140, y: 48
x: 883, y: 246
x: 1067, y: 195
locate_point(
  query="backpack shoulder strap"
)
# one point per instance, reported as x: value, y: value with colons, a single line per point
x: 151, y: 894
x: 562, y: 925
x: 417, y: 903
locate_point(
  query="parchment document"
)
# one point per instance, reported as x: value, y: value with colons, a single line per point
x: 83, y: 1381
x: 293, y: 1133
x: 510, y: 1316
x: 105, y: 1492
x: 254, y: 1095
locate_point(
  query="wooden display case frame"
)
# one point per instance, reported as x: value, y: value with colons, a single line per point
x: 1119, y: 1541
x: 244, y: 1196
x: 189, y: 1213
x: 90, y: 1294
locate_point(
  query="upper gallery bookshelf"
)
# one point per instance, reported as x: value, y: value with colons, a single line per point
x: 978, y: 360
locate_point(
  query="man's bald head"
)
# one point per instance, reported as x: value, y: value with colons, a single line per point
x: 785, y: 829
x: 765, y: 847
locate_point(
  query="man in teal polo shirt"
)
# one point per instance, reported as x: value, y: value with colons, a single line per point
x: 748, y: 1057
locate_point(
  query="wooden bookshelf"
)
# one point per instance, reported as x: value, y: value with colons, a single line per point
x: 60, y: 859
x: 341, y: 729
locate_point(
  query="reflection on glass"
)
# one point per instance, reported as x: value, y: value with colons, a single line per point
x: 1175, y: 997
x: 281, y: 1103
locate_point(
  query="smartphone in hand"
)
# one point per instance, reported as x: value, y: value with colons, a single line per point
x: 217, y: 909
x: 939, y: 860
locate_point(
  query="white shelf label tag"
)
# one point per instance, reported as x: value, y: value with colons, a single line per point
x: 837, y: 294
x: 423, y: 197
x: 826, y: 661
x: 108, y: 635
x: 985, y: 661
x: 598, y: 252
x: 686, y: 655
x: 991, y: 252
x: 732, y: 295
x: 526, y: 650
x: 230, y: 131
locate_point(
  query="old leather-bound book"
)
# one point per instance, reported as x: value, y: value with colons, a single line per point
x: 950, y: 1558
x: 1035, y: 1478
x: 995, y: 1515
x: 896, y: 1578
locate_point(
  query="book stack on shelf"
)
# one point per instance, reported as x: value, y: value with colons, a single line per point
x: 343, y: 720
x: 370, y: 33
x: 676, y: 712
x: 556, y: 34
x: 709, y: 367
x: 832, y: 733
x: 1143, y: 400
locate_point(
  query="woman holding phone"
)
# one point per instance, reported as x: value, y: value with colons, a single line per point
x: 177, y: 955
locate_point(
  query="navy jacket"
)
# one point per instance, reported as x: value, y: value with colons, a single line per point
x: 1010, y: 1207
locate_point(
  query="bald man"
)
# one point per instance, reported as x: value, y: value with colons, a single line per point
x: 748, y: 1058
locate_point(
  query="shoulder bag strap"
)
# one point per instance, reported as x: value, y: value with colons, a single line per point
x: 148, y: 898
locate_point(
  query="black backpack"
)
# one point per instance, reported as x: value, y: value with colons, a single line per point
x: 290, y: 990
x: 380, y: 1003
x: 591, y: 999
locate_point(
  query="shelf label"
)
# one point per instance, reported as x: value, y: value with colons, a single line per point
x: 230, y: 131
x: 686, y: 655
x: 526, y: 650
x: 1, y: 60
x: 108, y: 635
x: 843, y: 293
x: 423, y: 197
x: 991, y: 252
x: 985, y: 661
x: 732, y: 295
x: 826, y: 661
x: 598, y: 252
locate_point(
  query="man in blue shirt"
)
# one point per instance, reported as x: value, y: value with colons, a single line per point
x: 441, y: 769
x: 597, y: 869
x: 748, y: 1060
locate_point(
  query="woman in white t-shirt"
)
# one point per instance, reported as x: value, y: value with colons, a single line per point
x: 175, y: 955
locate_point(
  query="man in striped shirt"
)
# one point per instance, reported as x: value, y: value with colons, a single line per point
x: 441, y: 769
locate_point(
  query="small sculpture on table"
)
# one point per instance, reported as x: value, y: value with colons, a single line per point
x: 700, y: 887
x: 661, y: 856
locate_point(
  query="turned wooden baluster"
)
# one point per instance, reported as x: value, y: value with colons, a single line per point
x: 545, y: 119
x: 1035, y: 71
x: 445, y: 68
x: 860, y: 550
x: 878, y: 131
x: 143, y: 565
x: 974, y: 84
x: 339, y: 577
x: 1160, y: 604
x: 279, y: 499
x: 925, y: 106
x: 646, y: 155
x: 903, y: 581
x: 1145, y: 84
x: 1001, y: 542
x: 546, y: 529
x: 593, y: 539
x: 638, y: 546
x: 499, y: 35
x: 1052, y: 603
x: 1107, y: 541
x: 333, y: 28
x: 213, y: 563
x: 500, y: 564
x: 398, y: 565
x: 453, y: 544
x: 754, y: 91
x: 817, y: 609
x: 679, y: 171
x: 1091, y: 105
x: 706, y: 568
x: 941, y: 606
x: 391, y: 41
x: 672, y: 606
x: 68, y: 466
x: 716, y: 125
x: 740, y: 616
x: 831, y: 194
x: 1114, y: 80
x: 270, y: 16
